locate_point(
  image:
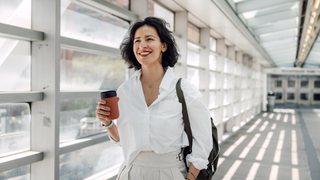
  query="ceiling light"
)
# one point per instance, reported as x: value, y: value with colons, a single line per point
x: 313, y: 14
x: 304, y: 45
x: 308, y: 31
x: 311, y: 20
x: 316, y: 4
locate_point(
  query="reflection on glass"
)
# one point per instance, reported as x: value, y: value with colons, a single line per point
x: 212, y: 83
x: 16, y: 12
x: 14, y: 128
x: 193, y: 56
x: 212, y: 62
x: 158, y: 11
x: 121, y: 3
x: 193, y: 76
x: 88, y: 161
x: 193, y: 33
x: 77, y: 119
x: 15, y: 65
x: 85, y: 24
x: 20, y: 173
x: 84, y: 71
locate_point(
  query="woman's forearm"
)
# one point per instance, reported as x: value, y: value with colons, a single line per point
x: 192, y: 173
x: 113, y: 132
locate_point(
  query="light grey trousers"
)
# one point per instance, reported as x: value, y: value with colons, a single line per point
x: 151, y: 166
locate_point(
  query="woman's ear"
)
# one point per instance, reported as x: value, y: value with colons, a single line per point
x: 164, y: 47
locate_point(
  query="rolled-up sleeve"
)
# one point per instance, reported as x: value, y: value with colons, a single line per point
x: 200, y: 123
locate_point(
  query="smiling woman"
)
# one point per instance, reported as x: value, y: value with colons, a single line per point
x: 150, y: 128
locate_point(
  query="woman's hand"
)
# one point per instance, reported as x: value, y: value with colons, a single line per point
x: 103, y: 112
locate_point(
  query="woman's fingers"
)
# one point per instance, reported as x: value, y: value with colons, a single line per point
x: 102, y: 112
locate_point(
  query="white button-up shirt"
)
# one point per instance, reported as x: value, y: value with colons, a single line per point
x: 160, y: 127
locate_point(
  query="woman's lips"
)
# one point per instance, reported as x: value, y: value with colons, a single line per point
x: 144, y: 54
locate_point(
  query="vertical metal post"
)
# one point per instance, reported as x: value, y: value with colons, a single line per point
x: 45, y: 74
x: 204, y: 62
x: 181, y: 27
x: 231, y: 55
x: 220, y: 84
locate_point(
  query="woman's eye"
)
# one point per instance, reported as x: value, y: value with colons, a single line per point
x: 137, y: 41
x: 149, y: 39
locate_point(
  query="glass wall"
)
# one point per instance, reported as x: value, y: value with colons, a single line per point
x: 91, y: 65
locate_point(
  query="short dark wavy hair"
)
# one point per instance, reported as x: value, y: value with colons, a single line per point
x: 169, y: 57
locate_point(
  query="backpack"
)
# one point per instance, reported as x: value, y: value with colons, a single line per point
x: 204, y: 174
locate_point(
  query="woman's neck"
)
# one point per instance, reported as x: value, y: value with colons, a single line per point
x: 152, y: 74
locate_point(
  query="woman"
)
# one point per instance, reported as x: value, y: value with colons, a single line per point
x: 150, y: 128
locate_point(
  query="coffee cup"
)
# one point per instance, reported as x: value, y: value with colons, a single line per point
x: 112, y: 102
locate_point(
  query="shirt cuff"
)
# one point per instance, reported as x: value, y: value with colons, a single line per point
x: 113, y: 141
x: 198, y: 163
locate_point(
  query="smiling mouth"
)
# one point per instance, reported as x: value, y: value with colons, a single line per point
x: 145, y: 53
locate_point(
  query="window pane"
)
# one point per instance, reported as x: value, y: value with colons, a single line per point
x: 85, y: 24
x: 290, y: 96
x: 304, y: 96
x: 317, y: 84
x: 304, y: 83
x: 193, y: 56
x: 316, y: 97
x: 15, y: 65
x: 279, y: 96
x: 212, y: 62
x: 212, y: 99
x: 15, y: 121
x: 193, y: 76
x: 78, y: 119
x: 278, y: 83
x: 20, y: 173
x: 193, y: 33
x: 226, y: 65
x: 291, y: 83
x: 213, y: 44
x: 121, y: 3
x: 84, y: 71
x: 212, y: 83
x: 156, y: 10
x: 16, y: 12
x: 88, y: 161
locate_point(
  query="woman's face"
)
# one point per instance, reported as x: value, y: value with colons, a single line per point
x: 147, y: 46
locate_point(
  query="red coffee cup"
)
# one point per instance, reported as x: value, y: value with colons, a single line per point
x: 112, y: 102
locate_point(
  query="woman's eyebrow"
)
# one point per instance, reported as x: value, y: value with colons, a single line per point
x: 150, y: 35
x: 145, y: 36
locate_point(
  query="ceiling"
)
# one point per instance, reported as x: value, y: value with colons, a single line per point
x: 211, y: 15
x: 274, y: 23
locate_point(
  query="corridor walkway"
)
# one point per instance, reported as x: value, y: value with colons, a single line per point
x: 284, y: 144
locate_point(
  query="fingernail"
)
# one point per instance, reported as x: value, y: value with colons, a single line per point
x: 108, y: 109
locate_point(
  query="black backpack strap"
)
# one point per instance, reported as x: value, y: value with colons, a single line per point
x: 184, y: 113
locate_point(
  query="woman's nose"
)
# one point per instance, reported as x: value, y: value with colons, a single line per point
x: 143, y: 44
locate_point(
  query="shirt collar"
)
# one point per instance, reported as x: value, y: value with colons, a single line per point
x: 166, y: 81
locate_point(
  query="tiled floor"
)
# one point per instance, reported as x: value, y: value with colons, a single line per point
x: 271, y: 146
